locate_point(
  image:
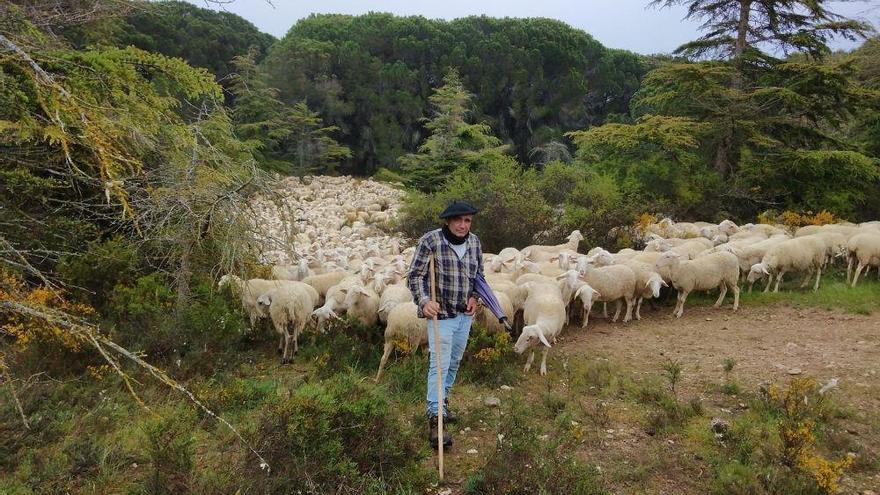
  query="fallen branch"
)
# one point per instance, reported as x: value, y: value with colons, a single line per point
x: 90, y: 334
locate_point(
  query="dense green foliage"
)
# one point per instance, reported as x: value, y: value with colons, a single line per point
x: 131, y: 138
x: 200, y: 36
x: 372, y: 76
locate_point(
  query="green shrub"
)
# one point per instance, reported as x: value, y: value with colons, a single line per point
x: 98, y: 269
x: 523, y: 463
x: 489, y: 359
x: 513, y: 211
x: 340, y: 435
x: 171, y: 448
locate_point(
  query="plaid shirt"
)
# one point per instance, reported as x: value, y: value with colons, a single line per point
x: 455, y: 276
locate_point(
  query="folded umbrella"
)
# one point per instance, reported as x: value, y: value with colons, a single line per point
x: 481, y: 287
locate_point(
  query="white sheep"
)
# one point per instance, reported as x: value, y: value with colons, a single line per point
x: 719, y: 270
x: 248, y: 292
x: 807, y: 254
x: 544, y: 316
x: 292, y: 272
x: 538, y: 252
x: 335, y: 299
x: 403, y: 325
x: 614, y: 283
x: 362, y: 304
x: 864, y: 251
x: 648, y: 281
x: 488, y: 319
x: 391, y: 297
x: 289, y: 307
x: 324, y: 281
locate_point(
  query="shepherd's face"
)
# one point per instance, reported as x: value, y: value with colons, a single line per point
x: 460, y: 226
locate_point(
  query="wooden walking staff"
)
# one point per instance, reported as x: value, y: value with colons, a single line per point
x: 439, y: 375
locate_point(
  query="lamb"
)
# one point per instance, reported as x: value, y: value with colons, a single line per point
x: 864, y: 250
x: 544, y: 316
x: 289, y: 306
x: 704, y: 273
x: 613, y: 283
x: 807, y: 253
x: 403, y: 325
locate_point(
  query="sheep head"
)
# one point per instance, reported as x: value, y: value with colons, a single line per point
x: 757, y: 272
x: 670, y: 259
x: 575, y: 236
x: 531, y: 335
x: 586, y: 294
x: 655, y: 281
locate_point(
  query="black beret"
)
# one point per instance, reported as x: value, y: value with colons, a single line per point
x: 457, y: 209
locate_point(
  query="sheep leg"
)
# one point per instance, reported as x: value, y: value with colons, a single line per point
x: 769, y: 281
x: 529, y: 361
x: 586, y: 318
x: 752, y: 283
x: 807, y: 278
x: 818, y: 277
x: 284, y: 358
x: 849, y: 264
x: 389, y: 346
x: 856, y: 274
x: 605, y: 310
x: 722, y: 293
x: 735, y: 297
x: 778, y: 279
x: 617, y: 305
x: 683, y: 296
x: 639, y: 308
x: 544, y: 352
x: 629, y: 309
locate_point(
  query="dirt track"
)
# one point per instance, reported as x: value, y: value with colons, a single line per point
x: 768, y: 343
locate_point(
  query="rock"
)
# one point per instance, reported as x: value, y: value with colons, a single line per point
x: 719, y: 426
x: 506, y: 387
x: 708, y: 319
x: 472, y: 451
x: 795, y: 371
x: 492, y: 401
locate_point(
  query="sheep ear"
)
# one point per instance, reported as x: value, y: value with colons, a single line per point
x: 663, y: 282
x: 543, y: 339
x: 764, y: 269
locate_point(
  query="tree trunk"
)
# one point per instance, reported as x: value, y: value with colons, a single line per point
x: 742, y: 31
x: 722, y: 153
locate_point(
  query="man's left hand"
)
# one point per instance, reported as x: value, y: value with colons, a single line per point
x: 472, y: 306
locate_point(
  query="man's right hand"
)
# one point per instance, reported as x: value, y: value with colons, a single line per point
x: 431, y: 309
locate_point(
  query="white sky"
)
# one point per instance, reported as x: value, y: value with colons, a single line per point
x: 627, y: 24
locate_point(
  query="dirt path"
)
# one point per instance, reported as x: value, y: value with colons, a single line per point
x: 768, y: 343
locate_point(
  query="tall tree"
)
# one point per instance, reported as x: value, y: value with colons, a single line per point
x: 290, y: 139
x: 748, y: 34
x: 453, y: 142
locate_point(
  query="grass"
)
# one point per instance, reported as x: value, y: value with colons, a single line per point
x: 89, y: 433
x: 833, y: 294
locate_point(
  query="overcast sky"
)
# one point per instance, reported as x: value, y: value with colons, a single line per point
x: 627, y: 24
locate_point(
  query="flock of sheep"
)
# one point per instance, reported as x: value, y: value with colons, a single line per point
x: 543, y: 287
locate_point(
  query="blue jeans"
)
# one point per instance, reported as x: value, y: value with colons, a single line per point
x: 453, y: 339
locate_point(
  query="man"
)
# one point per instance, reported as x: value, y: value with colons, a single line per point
x: 458, y: 258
